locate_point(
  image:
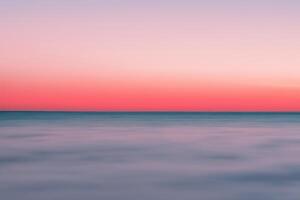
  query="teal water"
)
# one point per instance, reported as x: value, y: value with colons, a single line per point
x: 149, y: 156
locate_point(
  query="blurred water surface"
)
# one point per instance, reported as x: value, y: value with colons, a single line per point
x: 149, y: 156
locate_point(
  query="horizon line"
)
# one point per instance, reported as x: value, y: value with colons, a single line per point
x: 145, y: 111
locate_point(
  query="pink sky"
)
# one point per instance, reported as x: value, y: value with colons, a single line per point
x: 136, y: 55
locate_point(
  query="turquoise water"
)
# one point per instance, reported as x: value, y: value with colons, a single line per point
x: 149, y: 156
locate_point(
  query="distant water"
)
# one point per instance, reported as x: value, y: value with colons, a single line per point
x: 149, y: 156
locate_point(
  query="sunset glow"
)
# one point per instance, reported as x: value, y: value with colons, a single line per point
x: 150, y: 55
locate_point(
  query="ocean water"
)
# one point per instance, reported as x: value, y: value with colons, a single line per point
x: 149, y: 156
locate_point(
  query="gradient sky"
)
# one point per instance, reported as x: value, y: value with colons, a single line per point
x: 137, y: 55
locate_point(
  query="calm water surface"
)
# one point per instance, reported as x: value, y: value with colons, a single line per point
x: 149, y: 156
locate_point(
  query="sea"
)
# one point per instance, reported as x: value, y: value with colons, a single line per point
x: 149, y: 156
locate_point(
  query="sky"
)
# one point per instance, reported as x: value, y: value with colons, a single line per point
x: 141, y: 55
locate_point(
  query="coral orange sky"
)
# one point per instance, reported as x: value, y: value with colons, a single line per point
x: 165, y: 55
